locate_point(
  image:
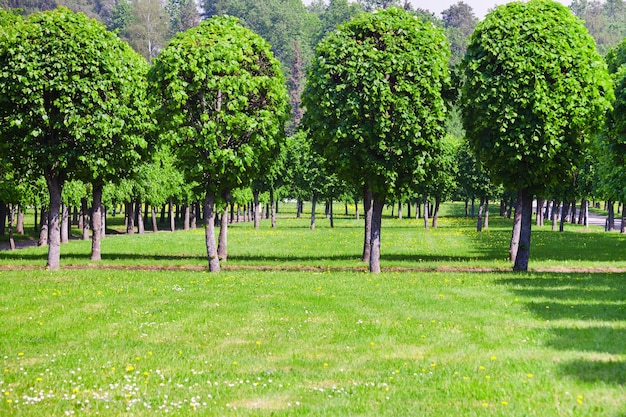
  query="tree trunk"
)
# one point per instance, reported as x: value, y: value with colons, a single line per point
x: 313, y: 204
x: 582, y: 214
x: 622, y: 228
x: 35, y: 228
x: 523, y: 250
x: 331, y: 215
x: 43, y: 232
x: 162, y: 219
x: 3, y: 217
x: 346, y: 205
x: 610, y: 226
x: 85, y: 214
x: 400, y: 210
x: 436, y: 212
x: 103, y: 231
x: 426, y: 210
x: 171, y: 215
x: 257, y: 208
x: 502, y: 208
x: 274, y: 208
x: 11, y: 210
x: 187, y: 217
x: 19, y: 227
x: 479, y: 222
x: 231, y: 218
x: 222, y: 246
x: 368, y: 213
x: 408, y: 209
x: 486, y: 214
x: 564, y: 211
x: 555, y: 214
x: 512, y: 203
x: 517, y: 227
x: 377, y: 213
x: 55, y: 188
x: 466, y: 207
x: 356, y: 210
x: 539, y: 214
x: 209, y: 218
x: 473, y: 206
x: 586, y: 208
x: 65, y: 224
x: 141, y: 227
x: 155, y: 227
x: 298, y: 208
x: 96, y: 234
x: 130, y: 218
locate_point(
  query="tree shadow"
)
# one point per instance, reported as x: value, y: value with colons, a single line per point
x: 595, y: 305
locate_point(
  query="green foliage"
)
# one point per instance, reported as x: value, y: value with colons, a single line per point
x: 72, y: 97
x: 534, y: 90
x: 222, y: 102
x: 373, y: 99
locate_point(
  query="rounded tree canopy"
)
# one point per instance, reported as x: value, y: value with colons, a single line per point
x: 222, y: 101
x: 373, y: 98
x: 72, y: 96
x: 534, y: 88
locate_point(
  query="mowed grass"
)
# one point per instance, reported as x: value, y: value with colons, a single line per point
x: 315, y: 335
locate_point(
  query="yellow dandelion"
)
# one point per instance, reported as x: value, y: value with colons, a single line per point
x: 130, y: 368
x: 504, y: 403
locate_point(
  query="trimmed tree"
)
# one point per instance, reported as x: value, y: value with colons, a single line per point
x: 533, y: 89
x: 222, y: 102
x: 374, y: 105
x: 66, y: 97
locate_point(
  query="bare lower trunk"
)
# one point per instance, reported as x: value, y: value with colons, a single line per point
x: 96, y: 234
x: 43, y: 231
x: 55, y: 188
x: 356, y: 210
x: 523, y: 250
x: 555, y: 214
x: 65, y: 224
x: 486, y: 214
x: 130, y: 218
x: 273, y: 209
x: 426, y: 210
x: 399, y: 209
x: 313, y: 204
x: 377, y: 212
x: 3, y: 217
x: 331, y: 215
x: 517, y: 225
x: 610, y: 221
x: 564, y: 211
x: 141, y: 227
x: 19, y: 227
x: 187, y: 217
x: 171, y: 215
x: 367, y: 238
x: 11, y: 211
x: 222, y: 247
x: 209, y: 218
x: 257, y: 208
x: 436, y: 212
x: 479, y: 221
x: 539, y: 214
x: 85, y: 215
x: 622, y: 228
x: 155, y: 227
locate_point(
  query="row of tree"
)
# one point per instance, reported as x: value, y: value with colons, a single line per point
x: 375, y: 122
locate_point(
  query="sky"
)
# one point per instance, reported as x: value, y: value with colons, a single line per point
x: 480, y: 7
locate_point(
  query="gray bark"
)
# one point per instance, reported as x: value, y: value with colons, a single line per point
x: 65, y: 224
x: 155, y: 226
x: 222, y: 247
x: 377, y: 212
x: 257, y: 209
x: 517, y: 224
x: 55, y: 188
x: 96, y: 234
x: 19, y: 227
x: 367, y: 238
x: 85, y: 216
x: 141, y: 227
x: 11, y: 211
x: 209, y: 218
x: 313, y: 204
x: 43, y: 231
x: 523, y: 250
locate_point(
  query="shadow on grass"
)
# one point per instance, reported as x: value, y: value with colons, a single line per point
x: 597, y: 304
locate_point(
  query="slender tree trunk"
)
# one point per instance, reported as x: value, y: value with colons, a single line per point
x: 408, y: 209
x: 313, y: 204
x: 19, y: 227
x: 231, y: 218
x: 479, y: 222
x: 586, y: 208
x: 502, y: 208
x: 274, y: 208
x: 96, y: 234
x: 222, y: 247
x: 555, y: 214
x: 418, y: 209
x: 55, y: 188
x: 486, y: 214
x: 622, y: 227
x: 368, y: 213
x: 155, y: 226
x: 209, y: 218
x: 356, y: 210
x: 187, y: 217
x: 400, y: 210
x: 466, y: 207
x: 473, y: 206
x: 539, y: 214
x: 35, y: 228
x: 65, y: 224
x: 331, y: 215
x: 611, y: 217
x: 162, y: 217
x: 517, y: 228
x: 298, y: 208
x: 146, y: 211
x: 377, y: 212
x: 141, y: 227
x: 85, y: 213
x: 257, y: 208
x: 11, y: 210
x: 3, y: 217
x: 436, y: 212
x: 171, y: 215
x: 564, y: 211
x: 130, y: 217
x: 43, y: 231
x: 523, y: 250
x: 346, y: 206
x: 426, y: 210
x: 581, y: 214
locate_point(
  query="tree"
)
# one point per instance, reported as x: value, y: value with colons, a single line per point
x: 66, y: 97
x: 223, y: 104
x: 374, y: 105
x: 459, y: 21
x: 533, y: 90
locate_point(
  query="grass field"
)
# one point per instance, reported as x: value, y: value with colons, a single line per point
x: 306, y: 332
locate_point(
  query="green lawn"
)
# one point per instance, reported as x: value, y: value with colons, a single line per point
x: 314, y: 335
